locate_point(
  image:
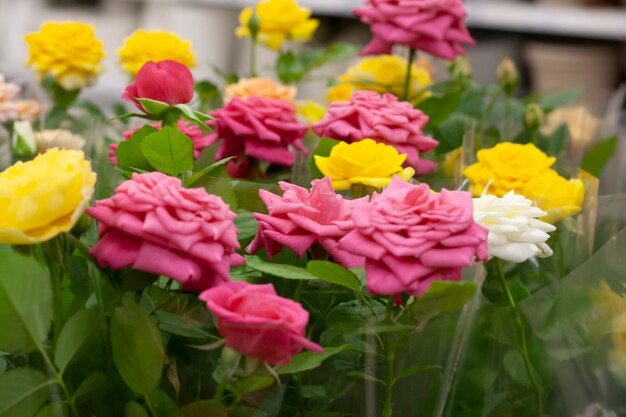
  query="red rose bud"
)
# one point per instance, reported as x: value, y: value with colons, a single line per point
x: 165, y: 81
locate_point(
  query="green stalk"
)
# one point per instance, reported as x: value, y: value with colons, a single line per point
x: 409, y: 70
x: 170, y: 118
x: 522, y: 337
x: 389, y: 380
x: 253, y: 54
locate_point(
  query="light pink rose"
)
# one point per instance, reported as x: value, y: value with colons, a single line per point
x: 155, y: 225
x: 259, y: 128
x: 411, y: 237
x: 433, y: 26
x: 199, y: 138
x: 300, y: 218
x: 256, y: 322
x: 383, y: 118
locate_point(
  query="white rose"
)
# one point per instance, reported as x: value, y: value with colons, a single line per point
x: 59, y: 138
x: 515, y: 234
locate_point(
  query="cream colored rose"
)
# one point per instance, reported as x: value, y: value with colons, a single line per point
x: 582, y: 125
x: 260, y: 87
x: 28, y: 110
x: 58, y: 138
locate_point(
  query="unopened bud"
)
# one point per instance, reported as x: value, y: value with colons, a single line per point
x: 254, y: 25
x: 460, y: 69
x: 508, y: 76
x: 82, y: 225
x: 533, y: 118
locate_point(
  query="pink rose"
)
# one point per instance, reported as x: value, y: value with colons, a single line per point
x: 383, y: 118
x: 411, y: 237
x: 433, y: 26
x: 256, y: 322
x: 167, y: 81
x: 155, y: 225
x: 259, y: 128
x: 301, y: 218
x: 199, y: 138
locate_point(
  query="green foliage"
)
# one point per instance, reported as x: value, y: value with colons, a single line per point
x: 22, y: 392
x: 75, y: 334
x: 279, y: 270
x: 442, y: 297
x: 130, y: 155
x: 599, y: 155
x: 292, y: 67
x: 560, y: 99
x: 168, y: 150
x: 334, y: 274
x: 306, y: 361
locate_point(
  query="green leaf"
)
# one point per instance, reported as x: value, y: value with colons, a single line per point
x: 162, y: 404
x: 77, y: 331
x: 203, y: 409
x: 133, y: 409
x: 153, y: 106
x: 338, y: 51
x: 55, y: 409
x: 278, y: 270
x: 443, y: 297
x: 25, y: 303
x: 137, y: 347
x: 97, y: 381
x: 252, y: 383
x: 364, y: 376
x: 599, y: 155
x: 306, y: 361
x: 180, y: 325
x: 206, y: 170
x: 335, y: 274
x: 246, y: 224
x: 554, y: 144
x: 414, y: 370
x: 290, y: 68
x: 323, y: 149
x: 196, y: 117
x: 560, y: 99
x: 440, y: 107
x: 169, y: 150
x: 130, y: 153
x: 22, y: 392
x: 313, y: 391
x: 450, y: 133
x: 350, y: 316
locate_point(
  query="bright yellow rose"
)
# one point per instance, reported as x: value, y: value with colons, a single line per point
x: 507, y: 166
x: 364, y: 162
x: 280, y: 20
x: 44, y: 197
x: 383, y: 74
x: 69, y: 52
x: 311, y: 111
x: 557, y: 196
x: 260, y: 87
x: 148, y: 45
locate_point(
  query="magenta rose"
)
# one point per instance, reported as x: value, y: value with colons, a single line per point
x: 259, y: 128
x: 167, y: 81
x: 256, y: 322
x: 155, y: 225
x: 433, y: 26
x: 200, y: 139
x: 300, y: 218
x: 411, y: 237
x: 383, y: 118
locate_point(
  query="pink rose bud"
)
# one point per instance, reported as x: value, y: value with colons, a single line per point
x: 167, y: 81
x: 256, y: 322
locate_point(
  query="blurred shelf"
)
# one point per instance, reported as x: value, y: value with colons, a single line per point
x: 510, y: 16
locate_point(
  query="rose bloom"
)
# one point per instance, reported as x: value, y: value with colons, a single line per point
x: 383, y: 74
x: 169, y: 82
x: 154, y: 225
x: 28, y: 110
x: 69, y: 52
x: 280, y: 20
x: 556, y: 195
x: 58, y: 138
x: 199, y: 138
x: 505, y: 167
x: 260, y: 87
x: 581, y: 124
x: 411, y: 237
x: 385, y: 120
x: 365, y: 162
x: 8, y: 91
x: 259, y: 128
x: 44, y: 197
x: 300, y: 218
x: 150, y: 45
x: 257, y: 322
x: 433, y: 26
x: 515, y: 233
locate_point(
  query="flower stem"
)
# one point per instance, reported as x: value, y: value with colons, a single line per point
x: 409, y: 69
x: 389, y: 380
x: 253, y: 54
x: 522, y: 337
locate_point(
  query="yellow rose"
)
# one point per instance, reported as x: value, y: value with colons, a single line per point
x: 383, y: 74
x: 44, y: 197
x: 365, y: 162
x: 311, y: 111
x: 146, y: 45
x: 507, y: 166
x: 557, y: 196
x: 280, y: 20
x: 69, y: 52
x: 260, y: 87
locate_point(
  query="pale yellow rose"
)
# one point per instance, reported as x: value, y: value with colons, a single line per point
x: 153, y: 45
x: 582, y: 125
x: 69, y: 52
x: 557, y: 196
x: 364, y: 162
x: 58, y: 138
x: 44, y: 197
x: 310, y: 111
x: 260, y: 87
x: 280, y: 21
x: 383, y: 74
x: 505, y: 167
